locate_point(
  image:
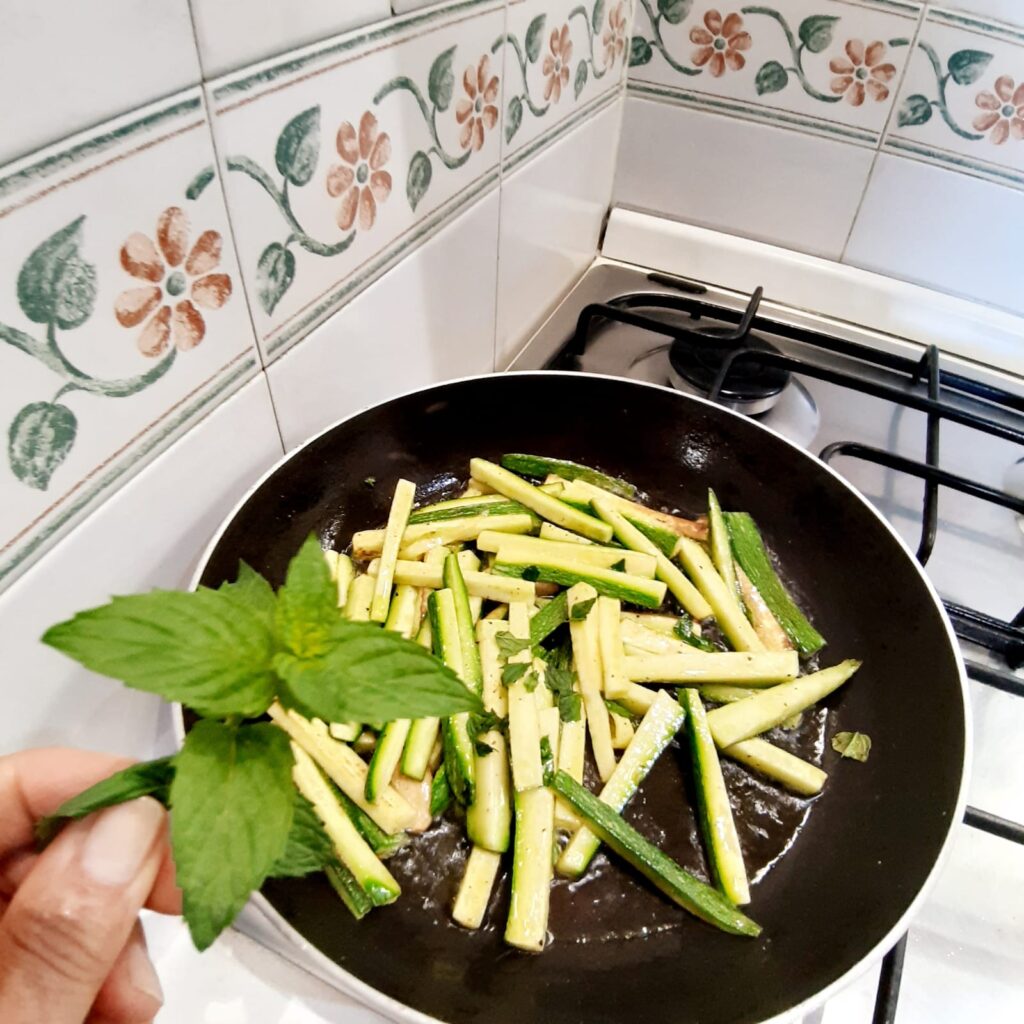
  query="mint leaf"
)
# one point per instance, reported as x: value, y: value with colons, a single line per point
x: 232, y: 806
x: 683, y: 629
x: 856, y: 745
x: 309, y: 847
x: 482, y: 749
x: 549, y: 618
x: 307, y: 604
x: 509, y: 646
x: 367, y: 675
x: 530, y: 681
x: 205, y: 649
x: 511, y: 673
x: 561, y: 682
x: 619, y: 566
x: 252, y: 590
x: 581, y: 609
x: 152, y: 778
x: 618, y: 709
x: 531, y: 573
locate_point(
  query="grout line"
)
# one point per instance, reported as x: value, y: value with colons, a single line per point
x: 501, y: 195
x: 911, y: 50
x: 203, y: 79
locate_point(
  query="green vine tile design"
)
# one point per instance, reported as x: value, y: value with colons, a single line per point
x: 56, y: 289
x: 722, y: 42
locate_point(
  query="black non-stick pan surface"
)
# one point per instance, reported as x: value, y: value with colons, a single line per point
x: 839, y: 872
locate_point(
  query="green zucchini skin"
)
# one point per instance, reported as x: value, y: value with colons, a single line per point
x: 440, y: 793
x: 539, y: 466
x: 749, y: 550
x: 382, y: 843
x: 349, y: 890
x: 461, y: 508
x: 678, y: 884
x: 606, y: 585
x: 549, y: 618
x: 472, y: 671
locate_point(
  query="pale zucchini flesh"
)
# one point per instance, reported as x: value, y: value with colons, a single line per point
x: 424, y: 536
x: 566, y: 572
x: 609, y: 633
x: 386, y: 756
x: 551, y: 532
x: 523, y: 720
x: 523, y: 550
x: 475, y: 889
x: 738, y: 667
x: 572, y: 742
x: 532, y: 870
x: 779, y: 765
x: 344, y: 574
x: 479, y: 584
x: 401, y: 506
x: 360, y: 597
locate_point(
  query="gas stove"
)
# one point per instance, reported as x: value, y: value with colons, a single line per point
x: 907, y: 405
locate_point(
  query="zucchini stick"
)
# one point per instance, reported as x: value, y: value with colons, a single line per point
x: 367, y: 543
x: 344, y: 574
x: 718, y: 542
x: 664, y: 624
x: 523, y: 721
x: 588, y: 668
x: 767, y: 627
x: 527, y: 925
x: 528, y: 550
x: 654, y: 734
x: 638, y: 699
x: 724, y: 603
x: 475, y: 889
x: 359, y: 599
x: 548, y: 531
x: 544, y: 505
x: 638, y: 639
x: 713, y: 809
x: 635, y: 589
x: 401, y: 506
x: 682, y: 589
x: 479, y: 584
x: 572, y: 740
x: 464, y: 507
x: 615, y: 683
x: 755, y: 715
x: 750, y: 553
x: 779, y: 765
x: 678, y: 884
x: 404, y: 612
x: 762, y: 669
x: 549, y: 618
x: 539, y: 466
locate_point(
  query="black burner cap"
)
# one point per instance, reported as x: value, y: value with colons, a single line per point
x: 698, y: 358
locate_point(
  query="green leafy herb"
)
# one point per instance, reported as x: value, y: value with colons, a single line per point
x: 620, y: 565
x: 370, y: 481
x: 549, y: 618
x: 618, y: 709
x: 440, y: 793
x: 547, y: 757
x: 357, y: 679
x: 561, y: 683
x: 206, y: 649
x: 232, y: 800
x: 307, y: 604
x: 252, y: 590
x: 530, y: 681
x: 581, y: 609
x: 152, y: 778
x: 482, y: 749
x: 309, y: 847
x: 531, y: 573
x: 509, y: 646
x: 684, y: 630
x: 856, y: 745
x: 514, y: 672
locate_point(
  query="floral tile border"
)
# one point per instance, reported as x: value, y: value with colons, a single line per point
x: 340, y: 157
x: 961, y: 105
x: 826, y: 67
x: 122, y: 322
x: 560, y: 56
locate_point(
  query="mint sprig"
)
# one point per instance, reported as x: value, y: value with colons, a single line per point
x: 227, y: 654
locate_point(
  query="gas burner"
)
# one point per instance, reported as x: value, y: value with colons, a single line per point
x: 695, y: 360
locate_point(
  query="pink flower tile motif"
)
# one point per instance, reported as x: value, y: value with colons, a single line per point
x: 556, y: 64
x: 860, y: 73
x: 360, y: 179
x: 476, y: 110
x: 720, y: 43
x: 1002, y: 111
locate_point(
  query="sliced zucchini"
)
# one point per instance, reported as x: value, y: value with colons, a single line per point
x: 345, y: 768
x: 359, y: 599
x: 419, y: 745
x: 609, y: 633
x: 548, y: 531
x: 634, y: 589
x: 347, y: 732
x: 664, y: 624
x: 638, y: 699
x: 475, y: 889
x: 761, y: 669
x: 440, y: 793
x: 520, y: 550
x: 549, y: 618
x: 331, y: 558
x: 549, y: 722
x: 398, y: 517
x: 384, y: 844
x: 539, y: 466
x: 659, y: 726
x: 349, y: 891
x: 779, y: 765
x: 572, y: 741
x: 367, y: 543
x: 713, y: 808
x: 532, y: 871
x: 353, y: 851
x: 766, y: 626
x: 543, y: 504
x: 461, y: 508
x: 404, y: 612
x: 344, y: 574
x: 623, y: 730
x: 523, y: 721
x: 479, y: 584
x: 720, y: 545
x: 682, y: 589
x: 587, y: 655
x: 723, y: 600
x: 723, y: 693
x: 472, y: 673
x: 494, y: 696
x: 386, y: 756
x: 755, y: 715
x: 638, y: 639
x: 750, y: 553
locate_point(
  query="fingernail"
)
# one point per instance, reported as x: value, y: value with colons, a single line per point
x: 141, y: 974
x: 119, y: 840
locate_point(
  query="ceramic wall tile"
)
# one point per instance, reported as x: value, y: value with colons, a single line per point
x: 962, y: 101
x: 405, y: 6
x: 562, y: 61
x: 428, y: 319
x: 271, y: 27
x: 789, y: 188
x: 149, y: 534
x: 552, y: 212
x: 122, y: 319
x: 341, y: 158
x: 974, y: 245
x: 1009, y: 11
x: 66, y: 65
x: 827, y: 68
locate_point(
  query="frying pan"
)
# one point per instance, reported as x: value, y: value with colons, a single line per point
x: 839, y: 875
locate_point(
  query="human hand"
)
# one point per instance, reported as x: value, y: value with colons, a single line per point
x: 71, y: 946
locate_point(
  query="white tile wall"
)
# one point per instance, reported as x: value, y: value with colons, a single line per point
x: 552, y: 212
x: 1011, y: 11
x: 66, y: 65
x: 945, y: 230
x: 232, y: 33
x: 150, y: 534
x: 429, y: 319
x: 796, y: 190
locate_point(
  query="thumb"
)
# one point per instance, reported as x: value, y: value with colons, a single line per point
x: 73, y: 914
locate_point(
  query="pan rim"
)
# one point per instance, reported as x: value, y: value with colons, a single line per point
x: 333, y: 974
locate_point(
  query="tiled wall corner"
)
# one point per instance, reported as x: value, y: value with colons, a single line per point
x: 67, y: 65
x: 341, y: 157
x: 761, y: 120
x: 552, y: 212
x: 233, y: 33
x: 121, y: 313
